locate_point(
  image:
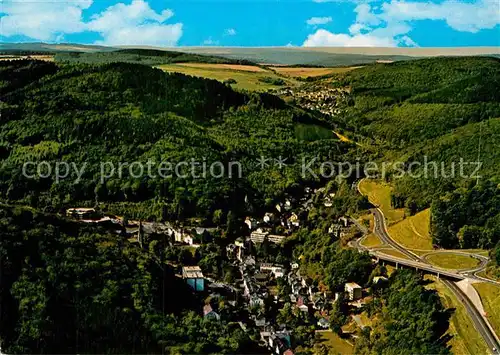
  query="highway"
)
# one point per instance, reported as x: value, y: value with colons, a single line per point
x: 480, y: 323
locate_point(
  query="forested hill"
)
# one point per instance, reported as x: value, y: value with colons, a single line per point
x: 143, y: 56
x: 440, y: 110
x: 119, y: 112
x: 73, y: 288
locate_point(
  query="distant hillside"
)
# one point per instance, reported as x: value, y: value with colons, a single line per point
x: 331, y: 56
x: 143, y: 56
x: 442, y: 110
x: 51, y: 48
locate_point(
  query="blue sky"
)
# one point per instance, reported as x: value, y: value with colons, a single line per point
x: 382, y: 23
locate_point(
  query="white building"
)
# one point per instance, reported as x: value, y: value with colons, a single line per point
x: 354, y: 291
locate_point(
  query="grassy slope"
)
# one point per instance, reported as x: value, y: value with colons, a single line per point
x: 334, y: 343
x: 413, y: 232
x: 490, y: 296
x: 452, y: 261
x: 245, y: 80
x: 371, y: 241
x: 466, y: 339
x: 380, y: 195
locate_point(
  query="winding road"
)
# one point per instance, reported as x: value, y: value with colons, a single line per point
x: 480, y: 322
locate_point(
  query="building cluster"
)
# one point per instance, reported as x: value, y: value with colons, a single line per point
x: 327, y: 100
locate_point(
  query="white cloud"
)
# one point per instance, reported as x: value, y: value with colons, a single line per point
x: 230, y: 32
x: 461, y: 16
x: 43, y: 21
x: 314, y: 21
x: 136, y: 23
x: 388, y: 24
x: 49, y: 21
x: 324, y: 38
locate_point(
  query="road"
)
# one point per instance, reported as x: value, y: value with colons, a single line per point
x: 481, y: 324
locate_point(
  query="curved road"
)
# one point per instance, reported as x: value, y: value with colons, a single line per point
x: 380, y: 229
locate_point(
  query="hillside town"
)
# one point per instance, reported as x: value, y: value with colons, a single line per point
x: 262, y: 288
x: 316, y: 97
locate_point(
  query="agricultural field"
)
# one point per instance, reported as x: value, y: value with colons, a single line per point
x: 247, y: 77
x: 379, y: 194
x: 465, y: 338
x: 237, y: 67
x: 490, y: 297
x: 452, y: 261
x: 47, y: 58
x: 413, y: 232
x: 304, y: 72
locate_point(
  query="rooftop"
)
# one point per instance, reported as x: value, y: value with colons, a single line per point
x: 352, y: 285
x: 192, y: 272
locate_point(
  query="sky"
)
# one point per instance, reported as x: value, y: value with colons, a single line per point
x: 309, y: 23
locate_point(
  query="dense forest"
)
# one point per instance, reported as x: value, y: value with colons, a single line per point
x: 72, y: 288
x: 435, y: 112
x: 142, y: 56
x: 75, y: 288
x: 119, y: 112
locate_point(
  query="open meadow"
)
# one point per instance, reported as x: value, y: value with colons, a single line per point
x: 379, y: 194
x: 305, y: 72
x: 413, y: 232
x: 246, y: 77
x: 490, y: 297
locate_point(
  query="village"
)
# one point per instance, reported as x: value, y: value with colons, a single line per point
x: 262, y: 288
x: 317, y: 97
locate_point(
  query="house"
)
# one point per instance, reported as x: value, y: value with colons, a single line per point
x: 301, y: 304
x: 194, y: 277
x: 256, y: 301
x: 294, y: 220
x: 276, y: 239
x: 251, y: 223
x: 278, y: 272
x: 82, y: 213
x: 208, y: 312
x: 323, y: 323
x: 268, y: 217
x: 353, y: 290
x: 258, y: 236
x: 344, y: 221
x: 188, y: 239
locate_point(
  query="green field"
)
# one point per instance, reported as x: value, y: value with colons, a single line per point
x: 380, y: 195
x: 466, y: 339
x: 413, y: 232
x: 490, y: 297
x: 334, y: 343
x: 371, y: 241
x: 245, y: 79
x: 452, y: 261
